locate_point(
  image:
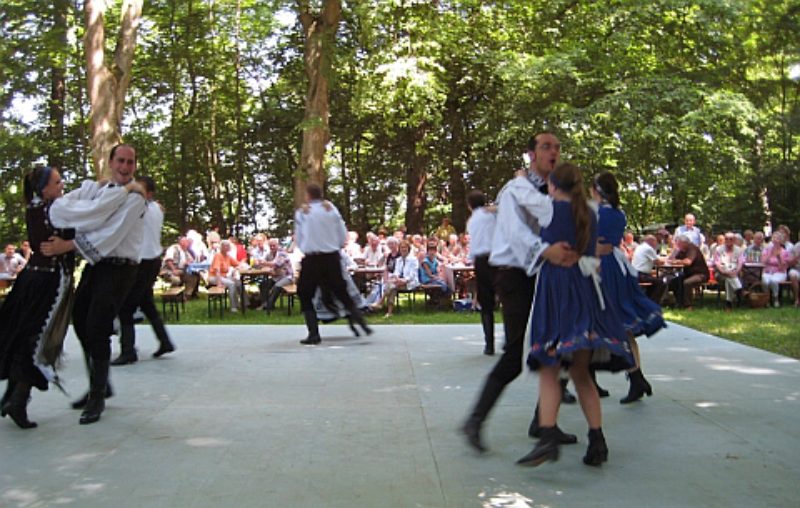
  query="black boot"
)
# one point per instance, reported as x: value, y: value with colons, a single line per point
x: 597, y: 453
x: 127, y: 353
x: 638, y: 387
x: 98, y: 384
x: 546, y: 449
x: 17, y: 406
x: 352, y: 326
x: 81, y: 403
x: 472, y: 428
x: 535, y: 431
x: 602, y: 392
x: 313, y: 329
x: 272, y: 298
x: 6, y: 396
x: 566, y: 396
x: 487, y: 321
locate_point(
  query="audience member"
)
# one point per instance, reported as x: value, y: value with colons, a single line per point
x: 11, y: 263
x: 352, y: 248
x: 25, y: 250
x: 776, y: 261
x: 430, y: 271
x: 373, y: 253
x: 223, y: 274
x: 695, y: 271
x: 794, y: 273
x: 728, y: 263
x: 690, y: 230
x: 281, y: 272
x: 644, y: 260
x: 444, y: 230
x: 404, y: 277
x: 174, y: 268
x: 628, y: 244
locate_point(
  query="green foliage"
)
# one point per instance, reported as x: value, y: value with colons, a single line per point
x: 690, y: 103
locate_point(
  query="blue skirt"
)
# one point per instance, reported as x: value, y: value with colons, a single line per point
x: 640, y: 315
x: 567, y: 317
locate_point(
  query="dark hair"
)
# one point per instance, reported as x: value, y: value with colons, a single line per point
x: 35, y: 181
x: 569, y: 179
x: 114, y: 151
x: 534, y: 140
x: 147, y: 182
x: 476, y: 199
x: 314, y: 191
x: 607, y: 186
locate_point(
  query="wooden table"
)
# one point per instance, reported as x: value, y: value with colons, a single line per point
x: 250, y: 275
x: 455, y: 274
x: 363, y: 274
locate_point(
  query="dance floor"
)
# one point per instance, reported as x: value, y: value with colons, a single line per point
x: 245, y: 416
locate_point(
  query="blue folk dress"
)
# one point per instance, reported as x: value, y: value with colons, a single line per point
x: 567, y: 315
x: 640, y: 315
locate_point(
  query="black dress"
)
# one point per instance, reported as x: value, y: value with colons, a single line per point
x: 35, y: 314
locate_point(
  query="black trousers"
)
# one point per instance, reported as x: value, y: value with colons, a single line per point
x: 325, y: 271
x: 141, y: 295
x: 657, y: 290
x: 484, y: 279
x: 515, y: 289
x: 98, y: 300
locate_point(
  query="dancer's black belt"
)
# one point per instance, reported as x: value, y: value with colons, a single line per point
x: 119, y: 261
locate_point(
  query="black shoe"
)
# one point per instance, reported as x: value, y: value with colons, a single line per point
x: 81, y: 403
x: 6, y: 396
x: 164, y: 349
x: 16, y: 407
x: 567, y: 397
x: 561, y: 436
x: 367, y: 329
x: 638, y: 387
x: 311, y: 341
x: 488, y: 350
x: 602, y: 392
x: 94, y: 408
x: 125, y: 359
x: 597, y: 453
x: 546, y: 449
x: 472, y: 431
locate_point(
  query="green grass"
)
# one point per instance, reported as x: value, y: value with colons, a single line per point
x: 775, y: 330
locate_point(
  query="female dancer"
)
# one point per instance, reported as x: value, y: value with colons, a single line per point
x: 640, y: 315
x: 35, y: 315
x: 569, y: 327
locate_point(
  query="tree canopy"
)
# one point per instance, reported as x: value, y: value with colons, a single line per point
x: 694, y: 105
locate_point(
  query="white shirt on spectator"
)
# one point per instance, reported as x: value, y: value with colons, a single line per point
x: 10, y: 266
x: 644, y: 257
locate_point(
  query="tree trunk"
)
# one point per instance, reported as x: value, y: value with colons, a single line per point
x: 320, y: 32
x: 107, y: 86
x: 416, y: 178
x: 58, y: 86
x: 458, y: 192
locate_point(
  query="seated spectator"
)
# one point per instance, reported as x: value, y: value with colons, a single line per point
x: 352, y: 248
x: 405, y: 276
x: 175, y: 265
x: 197, y: 247
x: 11, y: 263
x: 645, y: 258
x: 718, y: 243
x: 223, y: 273
x: 259, y: 252
x: 25, y: 250
x: 628, y: 244
x: 787, y: 237
x: 695, y: 271
x: 794, y: 273
x: 453, y: 253
x: 728, y: 263
x: 417, y: 245
x: 430, y: 271
x: 664, y: 242
x: 373, y: 253
x: 281, y: 273
x: 748, y: 237
x: 776, y: 263
x: 691, y: 231
x: 444, y: 230
x: 238, y: 252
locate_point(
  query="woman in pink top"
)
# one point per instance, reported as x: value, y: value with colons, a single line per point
x: 776, y: 262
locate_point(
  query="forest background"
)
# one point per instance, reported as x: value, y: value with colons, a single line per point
x: 695, y: 105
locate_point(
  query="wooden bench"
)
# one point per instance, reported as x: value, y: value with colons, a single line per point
x: 290, y: 292
x: 174, y: 298
x: 217, y: 298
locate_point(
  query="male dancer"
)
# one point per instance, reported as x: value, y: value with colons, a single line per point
x: 141, y: 295
x: 108, y: 221
x: 320, y: 234
x: 516, y: 252
x: 480, y: 227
